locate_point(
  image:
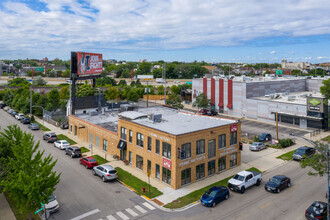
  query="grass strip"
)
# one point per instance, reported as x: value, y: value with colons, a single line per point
x: 137, y: 184
x: 41, y: 126
x: 327, y: 138
x: 286, y: 156
x: 196, y: 195
x: 84, y: 150
x: 63, y: 137
x: 100, y: 160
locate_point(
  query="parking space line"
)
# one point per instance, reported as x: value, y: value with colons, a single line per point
x: 148, y: 206
x: 140, y: 209
x: 86, y: 214
x: 264, y: 206
x: 130, y: 211
x: 122, y: 215
x: 110, y: 217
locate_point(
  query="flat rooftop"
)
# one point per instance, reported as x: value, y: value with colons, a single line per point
x: 108, y: 120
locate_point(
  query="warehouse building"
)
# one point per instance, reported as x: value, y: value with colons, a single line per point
x: 260, y: 98
x: 178, y: 148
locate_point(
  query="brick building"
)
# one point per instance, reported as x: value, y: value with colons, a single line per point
x: 178, y: 148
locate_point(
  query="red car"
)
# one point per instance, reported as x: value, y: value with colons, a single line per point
x: 88, y: 162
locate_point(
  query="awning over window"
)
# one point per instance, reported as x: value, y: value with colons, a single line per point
x: 121, y: 145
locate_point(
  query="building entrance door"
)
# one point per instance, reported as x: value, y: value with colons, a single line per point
x: 123, y: 154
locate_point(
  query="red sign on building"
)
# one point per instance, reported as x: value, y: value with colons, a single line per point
x: 233, y: 128
x: 167, y: 163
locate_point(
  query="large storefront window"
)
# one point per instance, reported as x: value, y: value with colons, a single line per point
x: 233, y: 138
x: 186, y: 151
x: 222, y: 164
x: 211, y: 167
x: 185, y: 176
x: 166, y: 177
x: 200, y: 147
x: 139, y: 162
x: 200, y: 171
x: 211, y: 150
x: 233, y: 159
x: 222, y: 141
x: 167, y: 150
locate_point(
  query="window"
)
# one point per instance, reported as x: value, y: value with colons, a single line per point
x: 186, y: 151
x: 233, y: 159
x: 211, y: 167
x: 185, y: 176
x: 105, y: 144
x: 157, y: 171
x: 157, y: 146
x: 200, y: 171
x: 167, y: 150
x: 130, y: 136
x: 149, y: 143
x: 97, y: 141
x: 222, y: 141
x: 70, y: 128
x: 130, y: 157
x: 149, y: 165
x: 75, y: 130
x: 139, y: 162
x: 211, y: 148
x: 200, y: 147
x: 233, y: 138
x: 139, y: 139
x: 166, y: 175
x: 123, y: 133
x: 91, y: 139
x: 222, y: 163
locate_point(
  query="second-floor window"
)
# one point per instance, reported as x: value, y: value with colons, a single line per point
x: 222, y: 141
x: 157, y: 146
x: 149, y: 143
x: 139, y: 139
x: 130, y: 136
x: 123, y: 134
x: 200, y: 147
x: 185, y: 151
x: 233, y: 138
x: 167, y: 150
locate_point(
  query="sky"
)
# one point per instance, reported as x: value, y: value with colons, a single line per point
x: 248, y: 31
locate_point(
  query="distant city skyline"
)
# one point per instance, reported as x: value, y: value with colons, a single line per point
x: 246, y: 31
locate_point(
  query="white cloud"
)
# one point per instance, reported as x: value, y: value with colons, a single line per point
x: 272, y: 52
x: 103, y: 25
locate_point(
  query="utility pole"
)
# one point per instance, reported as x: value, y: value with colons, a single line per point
x: 31, y: 101
x: 147, y: 93
x: 164, y: 78
x: 276, y: 126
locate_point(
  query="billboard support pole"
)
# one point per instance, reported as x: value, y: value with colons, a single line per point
x: 73, y: 93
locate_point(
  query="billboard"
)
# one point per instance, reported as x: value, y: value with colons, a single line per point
x: 85, y: 64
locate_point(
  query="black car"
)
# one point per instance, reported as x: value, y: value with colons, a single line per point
x: 303, y: 152
x: 2, y: 105
x: 50, y: 137
x: 65, y: 125
x: 33, y: 126
x: 26, y: 120
x: 13, y: 113
x: 73, y: 151
x: 277, y: 183
x: 318, y: 210
x: 211, y: 113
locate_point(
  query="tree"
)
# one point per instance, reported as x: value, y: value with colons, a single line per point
x: 64, y: 93
x: 85, y: 90
x: 111, y: 94
x: 160, y: 90
x: 54, y: 100
x: 296, y: 72
x: 31, y: 179
x: 175, y: 101
x: 325, y: 89
x: 38, y: 81
x: 52, y: 73
x: 18, y: 82
x: 202, y: 101
x: 317, y: 161
x: 144, y: 68
x: 133, y: 95
x: 122, y: 83
x: 175, y: 89
x: 105, y: 81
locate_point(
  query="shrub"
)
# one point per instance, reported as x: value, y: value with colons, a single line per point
x: 256, y: 138
x: 32, y: 118
x: 285, y: 142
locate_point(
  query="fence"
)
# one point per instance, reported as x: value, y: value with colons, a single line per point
x: 54, y: 118
x: 314, y: 133
x: 154, y: 97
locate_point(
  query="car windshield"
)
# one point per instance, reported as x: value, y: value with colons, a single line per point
x: 210, y: 193
x: 300, y: 151
x: 238, y: 177
x: 263, y: 135
x: 255, y: 144
x: 92, y: 160
x: 64, y: 142
x: 275, y: 180
x: 51, y: 198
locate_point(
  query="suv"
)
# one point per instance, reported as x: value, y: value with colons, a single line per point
x: 106, y: 172
x: 73, y: 151
x: 2, y: 105
x: 26, y: 120
x: 265, y: 137
x: 19, y: 116
x: 50, y: 137
x: 303, y: 152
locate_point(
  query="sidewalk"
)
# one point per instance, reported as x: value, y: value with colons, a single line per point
x: 5, y: 210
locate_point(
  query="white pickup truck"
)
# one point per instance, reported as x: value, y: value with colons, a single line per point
x: 244, y: 180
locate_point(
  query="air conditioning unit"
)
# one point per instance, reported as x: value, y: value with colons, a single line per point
x: 93, y: 113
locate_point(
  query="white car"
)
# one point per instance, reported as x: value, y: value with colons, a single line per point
x: 19, y: 116
x: 61, y: 144
x: 52, y: 206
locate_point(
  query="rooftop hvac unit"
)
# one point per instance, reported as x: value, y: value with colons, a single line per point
x: 267, y: 96
x: 156, y: 118
x: 92, y: 113
x: 291, y: 98
x: 272, y: 96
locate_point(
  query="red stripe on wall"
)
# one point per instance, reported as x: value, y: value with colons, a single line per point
x: 205, y: 86
x: 230, y: 93
x: 220, y: 92
x: 212, y: 91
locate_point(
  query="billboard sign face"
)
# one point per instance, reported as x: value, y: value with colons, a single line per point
x: 89, y: 63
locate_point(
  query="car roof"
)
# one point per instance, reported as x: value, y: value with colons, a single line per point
x: 217, y: 188
x: 244, y: 173
x: 280, y: 177
x: 90, y: 157
x: 75, y: 147
x: 304, y: 148
x: 265, y: 134
x: 109, y: 167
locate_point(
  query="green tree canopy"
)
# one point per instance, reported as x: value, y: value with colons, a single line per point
x: 175, y: 101
x: 325, y: 89
x: 111, y: 94
x: 54, y: 100
x: 202, y: 101
x: 85, y: 90
x: 38, y: 81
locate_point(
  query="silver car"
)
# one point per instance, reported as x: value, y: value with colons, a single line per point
x: 106, y: 172
x: 257, y: 146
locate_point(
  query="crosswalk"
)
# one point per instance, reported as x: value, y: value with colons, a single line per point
x: 131, y: 212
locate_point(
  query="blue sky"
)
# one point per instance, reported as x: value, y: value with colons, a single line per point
x: 248, y: 31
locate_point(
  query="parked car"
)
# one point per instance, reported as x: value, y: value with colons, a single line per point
x: 318, y: 210
x: 19, y: 116
x: 106, y: 172
x: 243, y: 180
x: 61, y: 144
x: 203, y: 111
x: 265, y: 137
x: 52, y: 206
x: 73, y: 151
x: 50, y: 137
x: 26, y: 120
x: 10, y: 111
x: 303, y: 152
x: 215, y: 195
x: 13, y: 113
x: 6, y: 108
x: 2, y: 105
x: 257, y: 146
x: 278, y: 183
x: 65, y: 125
x: 88, y: 162
x: 34, y: 126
